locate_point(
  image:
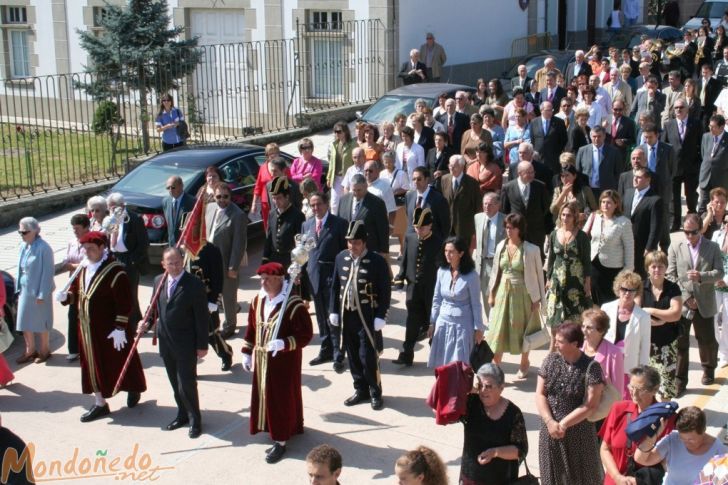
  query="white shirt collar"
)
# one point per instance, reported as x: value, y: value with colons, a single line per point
x: 521, y: 185
x: 425, y: 193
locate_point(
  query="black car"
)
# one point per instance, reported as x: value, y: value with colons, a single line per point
x: 629, y: 37
x: 533, y: 63
x: 11, y: 299
x: 145, y: 186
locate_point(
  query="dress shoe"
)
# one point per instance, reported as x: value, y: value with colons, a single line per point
x: 25, y: 358
x: 95, y: 413
x: 72, y: 357
x: 276, y: 453
x: 707, y: 379
x: 356, y: 398
x: 377, y: 403
x: 132, y: 399
x: 403, y: 359
x: 195, y: 431
x: 42, y: 358
x: 321, y: 359
x: 177, y: 423
x: 339, y: 367
x: 227, y: 333
x: 521, y: 374
x: 227, y: 363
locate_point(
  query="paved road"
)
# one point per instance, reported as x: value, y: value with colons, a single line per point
x: 44, y: 405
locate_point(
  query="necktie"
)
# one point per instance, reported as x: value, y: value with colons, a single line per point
x: 551, y: 95
x: 455, y: 185
x: 450, y: 128
x: 635, y: 201
x: 486, y: 238
x: 702, y: 93
x: 419, y: 201
x: 171, y: 285
x: 405, y: 156
x: 174, y: 210
x: 319, y: 223
x: 652, y: 162
x: 545, y: 126
x: 615, y: 124
x: 525, y: 194
x: 681, y: 126
x: 715, y: 146
x: 356, y: 209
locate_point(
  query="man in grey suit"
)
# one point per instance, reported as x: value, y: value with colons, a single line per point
x: 696, y: 264
x: 601, y: 163
x: 433, y: 56
x: 714, y: 168
x: 359, y: 204
x: 227, y: 228
x: 175, y: 206
x: 661, y: 162
x: 490, y: 229
x: 649, y: 100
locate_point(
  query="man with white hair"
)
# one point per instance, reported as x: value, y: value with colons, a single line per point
x: 523, y: 80
x: 602, y: 97
x: 549, y: 64
x: 357, y: 154
x: 129, y: 243
x: 616, y: 88
x: 527, y: 196
x: 462, y: 103
x: 462, y: 193
x: 577, y: 68
x: 413, y: 71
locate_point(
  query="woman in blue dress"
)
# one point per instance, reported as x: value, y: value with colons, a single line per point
x: 34, y: 287
x: 456, y: 321
x: 166, y: 123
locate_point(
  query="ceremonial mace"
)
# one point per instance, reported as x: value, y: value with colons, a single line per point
x: 299, y: 256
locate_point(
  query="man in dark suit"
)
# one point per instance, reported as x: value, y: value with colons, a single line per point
x: 462, y: 194
x: 455, y: 124
x: 227, y: 228
x: 423, y: 195
x: 661, y: 162
x: 129, y: 244
x: 413, y: 71
x: 523, y: 80
x: 426, y: 138
x: 329, y: 232
x: 714, y: 166
x: 182, y: 329
x: 623, y: 130
x: 649, y: 100
x: 175, y: 206
x: 577, y: 68
x: 438, y: 158
x: 284, y: 222
x: 361, y: 205
x: 601, y: 163
x: 526, y: 153
x: 553, y: 93
x: 708, y: 90
x: 644, y: 208
x: 528, y: 197
x: 687, y: 58
x: 548, y: 136
x: 684, y: 134
x: 420, y: 261
x: 637, y: 159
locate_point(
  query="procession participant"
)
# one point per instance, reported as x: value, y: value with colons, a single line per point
x: 276, y: 405
x: 422, y: 257
x: 360, y: 298
x: 74, y: 255
x: 284, y: 222
x: 208, y: 268
x: 103, y: 294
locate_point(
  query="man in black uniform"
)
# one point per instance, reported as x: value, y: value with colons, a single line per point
x: 208, y: 267
x: 422, y: 257
x: 284, y: 222
x: 360, y: 297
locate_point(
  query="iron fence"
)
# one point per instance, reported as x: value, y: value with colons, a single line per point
x: 54, y: 135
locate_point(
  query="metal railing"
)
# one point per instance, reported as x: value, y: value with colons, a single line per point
x: 526, y: 45
x: 54, y: 135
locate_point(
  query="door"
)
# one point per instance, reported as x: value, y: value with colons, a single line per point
x: 591, y: 21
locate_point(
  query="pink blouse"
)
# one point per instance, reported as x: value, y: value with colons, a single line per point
x: 611, y: 358
x: 300, y: 169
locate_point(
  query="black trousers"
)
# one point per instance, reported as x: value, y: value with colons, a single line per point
x: 169, y: 146
x: 218, y: 344
x: 181, y: 367
x: 330, y: 335
x: 691, y: 197
x: 418, y: 306
x: 602, y: 279
x: 132, y: 271
x: 707, y: 346
x: 72, y: 329
x: 363, y: 357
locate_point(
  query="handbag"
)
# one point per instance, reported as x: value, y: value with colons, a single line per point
x: 610, y: 395
x: 537, y: 339
x: 6, y: 336
x: 481, y: 354
x: 527, y: 479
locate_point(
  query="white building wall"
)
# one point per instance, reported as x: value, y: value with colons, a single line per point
x: 44, y: 45
x: 74, y: 17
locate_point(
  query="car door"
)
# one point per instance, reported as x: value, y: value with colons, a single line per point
x: 238, y: 175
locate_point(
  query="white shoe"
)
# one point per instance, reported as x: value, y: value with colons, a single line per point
x: 71, y: 357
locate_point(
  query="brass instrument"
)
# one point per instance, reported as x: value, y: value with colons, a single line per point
x: 672, y: 51
x: 111, y: 223
x: 700, y: 53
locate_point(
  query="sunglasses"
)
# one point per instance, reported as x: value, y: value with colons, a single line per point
x: 222, y: 196
x: 627, y: 290
x: 23, y: 233
x: 691, y: 233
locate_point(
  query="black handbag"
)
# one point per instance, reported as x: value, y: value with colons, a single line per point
x: 481, y: 354
x: 527, y: 479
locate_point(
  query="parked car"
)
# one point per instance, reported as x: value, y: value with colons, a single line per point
x: 629, y: 37
x: 710, y: 10
x: 534, y: 62
x: 402, y: 100
x: 144, y: 187
x: 11, y: 299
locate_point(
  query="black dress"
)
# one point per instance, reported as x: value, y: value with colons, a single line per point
x: 482, y: 433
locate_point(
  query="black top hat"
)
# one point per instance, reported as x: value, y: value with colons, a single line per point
x: 356, y: 230
x: 279, y: 186
x: 422, y: 217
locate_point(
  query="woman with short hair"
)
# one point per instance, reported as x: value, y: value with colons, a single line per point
x: 594, y: 324
x: 306, y: 165
x: 578, y: 133
x: 97, y: 209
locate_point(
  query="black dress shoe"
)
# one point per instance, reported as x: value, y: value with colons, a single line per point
x: 403, y: 359
x: 357, y: 398
x: 227, y: 362
x: 132, y: 399
x: 339, y: 367
x: 177, y: 423
x: 707, y: 379
x: 377, y: 403
x: 227, y: 333
x: 276, y: 453
x: 321, y: 359
x: 195, y: 431
x: 95, y: 413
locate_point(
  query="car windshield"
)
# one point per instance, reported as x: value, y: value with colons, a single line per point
x: 388, y: 106
x: 151, y: 178
x: 712, y: 9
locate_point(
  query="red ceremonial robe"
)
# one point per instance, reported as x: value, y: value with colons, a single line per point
x: 102, y: 306
x: 276, y: 405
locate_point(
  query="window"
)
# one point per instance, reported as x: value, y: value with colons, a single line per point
x: 19, y: 55
x: 326, y: 42
x: 325, y: 21
x: 16, y: 15
x: 99, y: 16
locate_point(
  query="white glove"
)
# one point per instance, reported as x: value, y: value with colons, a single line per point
x: 119, y: 337
x: 212, y: 307
x: 379, y: 324
x: 334, y: 319
x: 276, y: 346
x: 247, y: 362
x: 61, y: 296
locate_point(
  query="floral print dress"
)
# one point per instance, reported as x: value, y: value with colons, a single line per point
x: 568, y: 265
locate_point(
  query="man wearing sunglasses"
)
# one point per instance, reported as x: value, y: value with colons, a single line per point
x: 644, y: 208
x: 695, y: 264
x: 175, y: 206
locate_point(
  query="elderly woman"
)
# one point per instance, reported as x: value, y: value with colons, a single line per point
x: 213, y: 176
x: 597, y: 114
x: 518, y: 102
x: 662, y: 300
x: 495, y: 439
x: 572, y: 188
x: 306, y: 165
x: 456, y: 321
x: 399, y: 182
x: 644, y: 381
x: 485, y: 170
x: 578, y: 133
x: 568, y: 272
x: 630, y: 326
x: 476, y: 135
x: 97, y: 210
x: 75, y: 253
x: 612, y: 245
x: 517, y: 286
x: 421, y: 466
x: 497, y: 133
x: 516, y: 134
x: 684, y: 451
x: 569, y: 389
x: 388, y: 140
x: 594, y: 324
x: 34, y: 286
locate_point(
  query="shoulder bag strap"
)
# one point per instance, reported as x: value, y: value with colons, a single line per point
x: 394, y: 177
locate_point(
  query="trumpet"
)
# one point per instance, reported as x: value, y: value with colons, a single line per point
x: 111, y: 223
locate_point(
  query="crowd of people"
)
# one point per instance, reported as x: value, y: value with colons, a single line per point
x: 544, y: 216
